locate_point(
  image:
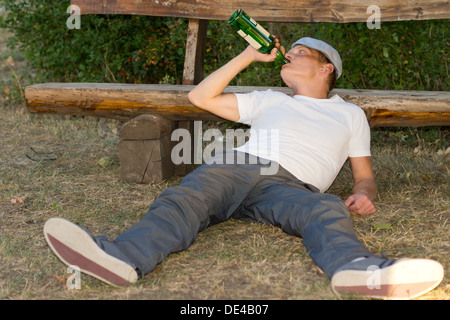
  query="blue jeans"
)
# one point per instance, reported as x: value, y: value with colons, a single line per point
x: 216, y: 192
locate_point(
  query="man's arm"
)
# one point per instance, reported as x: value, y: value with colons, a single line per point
x: 209, y: 95
x: 364, y: 186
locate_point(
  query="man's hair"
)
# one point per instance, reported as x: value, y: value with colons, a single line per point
x: 332, y: 76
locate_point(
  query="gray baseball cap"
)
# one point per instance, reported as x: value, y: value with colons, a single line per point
x: 325, y: 48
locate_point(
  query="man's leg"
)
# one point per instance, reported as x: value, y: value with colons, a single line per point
x: 324, y: 223
x: 207, y: 196
x: 322, y: 220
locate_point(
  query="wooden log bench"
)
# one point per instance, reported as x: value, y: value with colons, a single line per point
x: 153, y: 111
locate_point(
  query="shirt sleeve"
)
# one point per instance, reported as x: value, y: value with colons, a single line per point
x: 359, y: 145
x: 250, y: 105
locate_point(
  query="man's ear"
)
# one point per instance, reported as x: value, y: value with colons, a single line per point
x: 327, y: 68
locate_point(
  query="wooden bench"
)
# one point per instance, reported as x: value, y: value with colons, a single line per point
x: 153, y: 111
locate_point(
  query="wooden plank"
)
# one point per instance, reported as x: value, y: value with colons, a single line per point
x: 341, y: 11
x: 113, y: 100
x: 126, y: 101
x: 195, y: 52
x: 388, y: 118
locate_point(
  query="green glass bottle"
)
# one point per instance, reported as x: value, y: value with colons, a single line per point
x: 254, y: 33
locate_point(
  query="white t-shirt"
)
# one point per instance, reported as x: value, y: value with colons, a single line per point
x: 311, y: 138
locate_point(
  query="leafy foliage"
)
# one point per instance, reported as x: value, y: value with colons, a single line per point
x: 408, y: 55
x: 107, y: 48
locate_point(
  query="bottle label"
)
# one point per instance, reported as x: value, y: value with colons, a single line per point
x: 260, y: 28
x: 249, y: 39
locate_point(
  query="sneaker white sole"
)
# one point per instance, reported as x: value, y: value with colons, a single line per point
x: 405, y: 279
x: 74, y: 246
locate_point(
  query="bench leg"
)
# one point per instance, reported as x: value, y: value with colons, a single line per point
x: 144, y: 149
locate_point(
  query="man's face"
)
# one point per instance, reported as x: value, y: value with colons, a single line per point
x: 304, y: 63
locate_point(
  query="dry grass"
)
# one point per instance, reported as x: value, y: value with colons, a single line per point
x: 232, y: 260
x: 48, y: 168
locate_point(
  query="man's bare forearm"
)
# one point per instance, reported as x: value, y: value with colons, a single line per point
x: 366, y: 186
x: 214, y: 84
x: 209, y: 95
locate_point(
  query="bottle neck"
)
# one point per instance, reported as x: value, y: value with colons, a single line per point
x: 280, y: 58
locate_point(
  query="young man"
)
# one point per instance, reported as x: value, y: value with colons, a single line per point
x: 313, y: 136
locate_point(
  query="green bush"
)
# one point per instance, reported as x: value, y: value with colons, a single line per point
x: 409, y: 55
x: 107, y: 48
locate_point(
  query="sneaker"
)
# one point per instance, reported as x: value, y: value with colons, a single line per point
x: 392, y: 279
x: 75, y: 246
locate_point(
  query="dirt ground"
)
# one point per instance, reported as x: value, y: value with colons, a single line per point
x: 49, y: 167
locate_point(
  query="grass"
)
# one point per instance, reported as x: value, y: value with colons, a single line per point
x: 234, y: 259
x: 48, y: 168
